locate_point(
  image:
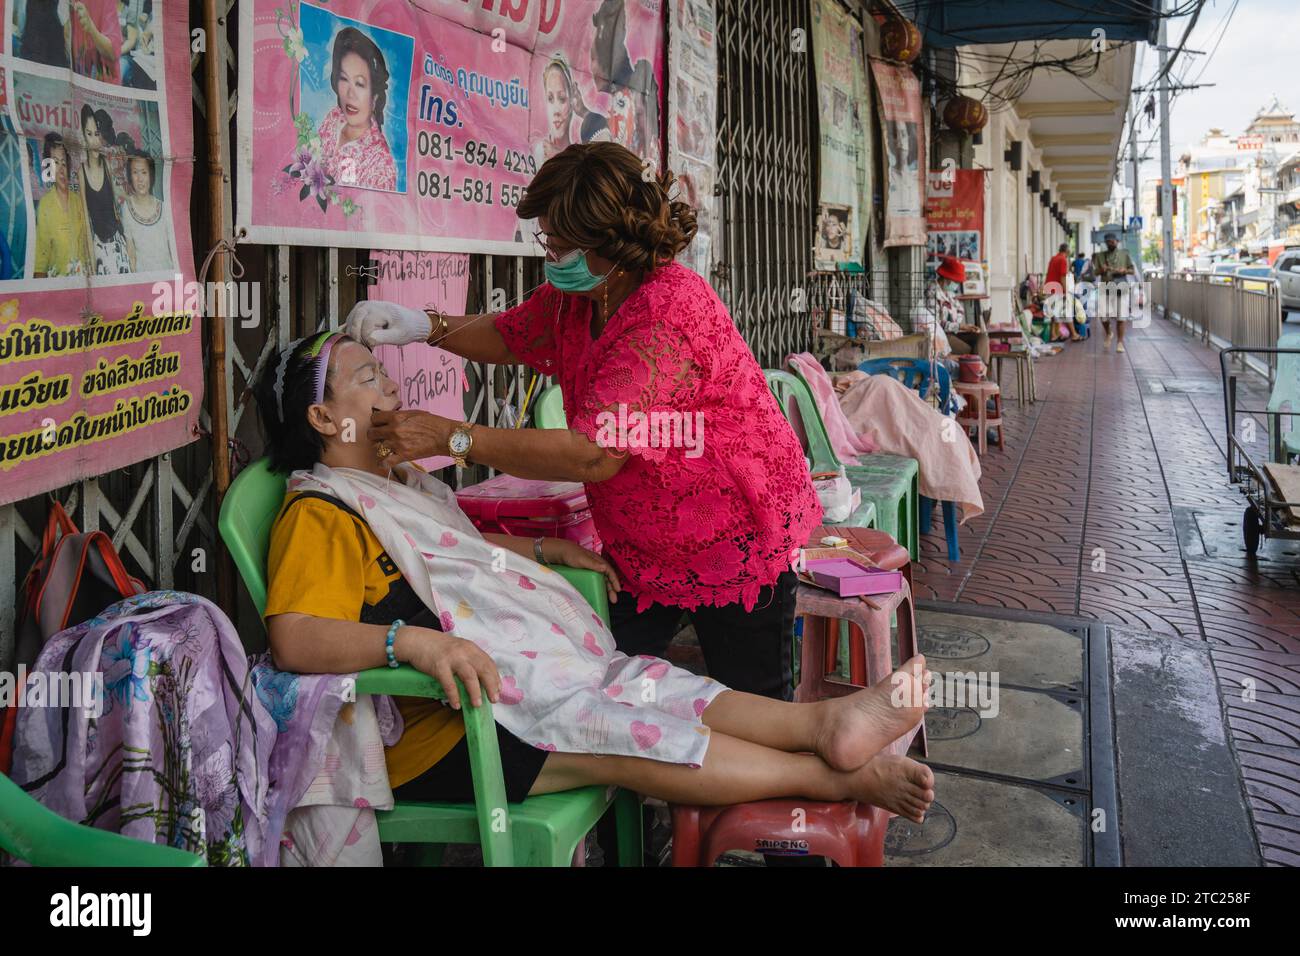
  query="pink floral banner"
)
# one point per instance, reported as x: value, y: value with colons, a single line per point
x: 100, y: 349
x: 399, y: 125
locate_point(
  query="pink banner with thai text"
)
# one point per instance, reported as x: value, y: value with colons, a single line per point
x: 431, y: 379
x: 416, y: 125
x: 100, y: 348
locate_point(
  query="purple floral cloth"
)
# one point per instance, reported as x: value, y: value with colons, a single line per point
x: 190, y: 743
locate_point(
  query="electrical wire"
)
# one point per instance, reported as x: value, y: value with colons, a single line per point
x: 1196, y: 15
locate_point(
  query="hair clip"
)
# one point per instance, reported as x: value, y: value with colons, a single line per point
x: 324, y: 342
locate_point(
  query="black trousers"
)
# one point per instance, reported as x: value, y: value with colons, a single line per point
x: 745, y: 650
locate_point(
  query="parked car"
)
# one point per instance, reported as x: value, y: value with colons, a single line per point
x: 1256, y: 277
x: 1286, y: 270
x: 1223, y: 272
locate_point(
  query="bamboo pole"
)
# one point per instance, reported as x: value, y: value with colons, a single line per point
x: 213, y: 62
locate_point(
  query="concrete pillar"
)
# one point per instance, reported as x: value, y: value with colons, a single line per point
x: 999, y: 212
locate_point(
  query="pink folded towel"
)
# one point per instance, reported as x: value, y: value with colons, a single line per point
x: 846, y: 442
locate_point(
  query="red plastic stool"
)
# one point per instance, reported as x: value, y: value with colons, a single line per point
x: 851, y: 834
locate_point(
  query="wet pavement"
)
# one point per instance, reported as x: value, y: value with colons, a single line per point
x: 1111, y: 504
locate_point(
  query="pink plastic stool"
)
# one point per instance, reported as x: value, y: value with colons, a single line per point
x: 870, y: 658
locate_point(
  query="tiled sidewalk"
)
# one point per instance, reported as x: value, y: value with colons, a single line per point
x: 1111, y: 502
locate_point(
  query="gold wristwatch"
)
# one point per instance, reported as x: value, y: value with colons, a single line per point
x: 459, y: 444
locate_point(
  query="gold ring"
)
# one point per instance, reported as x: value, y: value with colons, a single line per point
x: 383, y: 451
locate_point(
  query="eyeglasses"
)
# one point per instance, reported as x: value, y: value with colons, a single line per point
x: 559, y: 258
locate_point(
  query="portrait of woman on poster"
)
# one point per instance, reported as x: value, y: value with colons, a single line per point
x: 148, y: 231
x: 62, y: 243
x: 563, y: 102
x: 96, y: 39
x: 97, y: 187
x: 45, y: 34
x: 353, y: 148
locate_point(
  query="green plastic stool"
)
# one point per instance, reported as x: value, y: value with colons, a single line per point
x: 540, y: 831
x: 890, y: 482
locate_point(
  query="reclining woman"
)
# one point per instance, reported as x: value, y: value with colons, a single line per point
x: 370, y: 565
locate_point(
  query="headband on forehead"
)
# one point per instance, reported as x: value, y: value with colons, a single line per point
x: 319, y: 353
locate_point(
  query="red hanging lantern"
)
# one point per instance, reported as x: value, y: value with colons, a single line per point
x: 966, y: 114
x: 900, y: 40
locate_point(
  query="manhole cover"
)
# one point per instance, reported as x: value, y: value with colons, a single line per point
x: 1217, y: 534
x: 1185, y: 386
x: 951, y: 643
x: 905, y: 838
x: 951, y: 723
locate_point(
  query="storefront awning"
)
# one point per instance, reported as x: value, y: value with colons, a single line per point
x: 953, y: 23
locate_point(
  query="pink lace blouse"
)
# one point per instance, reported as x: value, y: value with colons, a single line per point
x: 716, y: 495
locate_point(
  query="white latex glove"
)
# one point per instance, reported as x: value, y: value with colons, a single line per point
x: 372, y: 322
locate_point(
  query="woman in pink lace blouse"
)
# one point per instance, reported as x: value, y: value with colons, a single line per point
x: 353, y: 148
x: 697, y: 483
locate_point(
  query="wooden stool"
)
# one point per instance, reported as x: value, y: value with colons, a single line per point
x: 1025, y: 390
x: 975, y: 414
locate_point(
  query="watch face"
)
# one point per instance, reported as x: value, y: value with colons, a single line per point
x: 459, y: 443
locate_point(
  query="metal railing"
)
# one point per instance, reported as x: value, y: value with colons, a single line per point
x: 1225, y: 311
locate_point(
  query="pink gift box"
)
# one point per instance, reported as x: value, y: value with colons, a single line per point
x: 847, y: 578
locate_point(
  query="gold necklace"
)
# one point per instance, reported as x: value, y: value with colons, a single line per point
x: 605, y: 298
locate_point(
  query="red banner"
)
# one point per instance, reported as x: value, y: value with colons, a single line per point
x: 954, y: 213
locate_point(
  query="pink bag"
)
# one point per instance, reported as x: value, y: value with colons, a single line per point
x: 530, y: 508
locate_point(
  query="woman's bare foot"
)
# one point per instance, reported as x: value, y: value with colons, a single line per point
x: 856, y: 728
x: 897, y: 784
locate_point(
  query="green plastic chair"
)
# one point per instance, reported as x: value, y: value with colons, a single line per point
x: 886, y: 504
x: 540, y: 831
x: 888, y: 482
x: 1285, y: 397
x: 41, y: 837
x: 549, y: 410
x: 790, y: 393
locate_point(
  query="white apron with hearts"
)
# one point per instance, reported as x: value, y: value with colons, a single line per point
x: 564, y: 685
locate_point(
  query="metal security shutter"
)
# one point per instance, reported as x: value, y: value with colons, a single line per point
x: 765, y: 173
